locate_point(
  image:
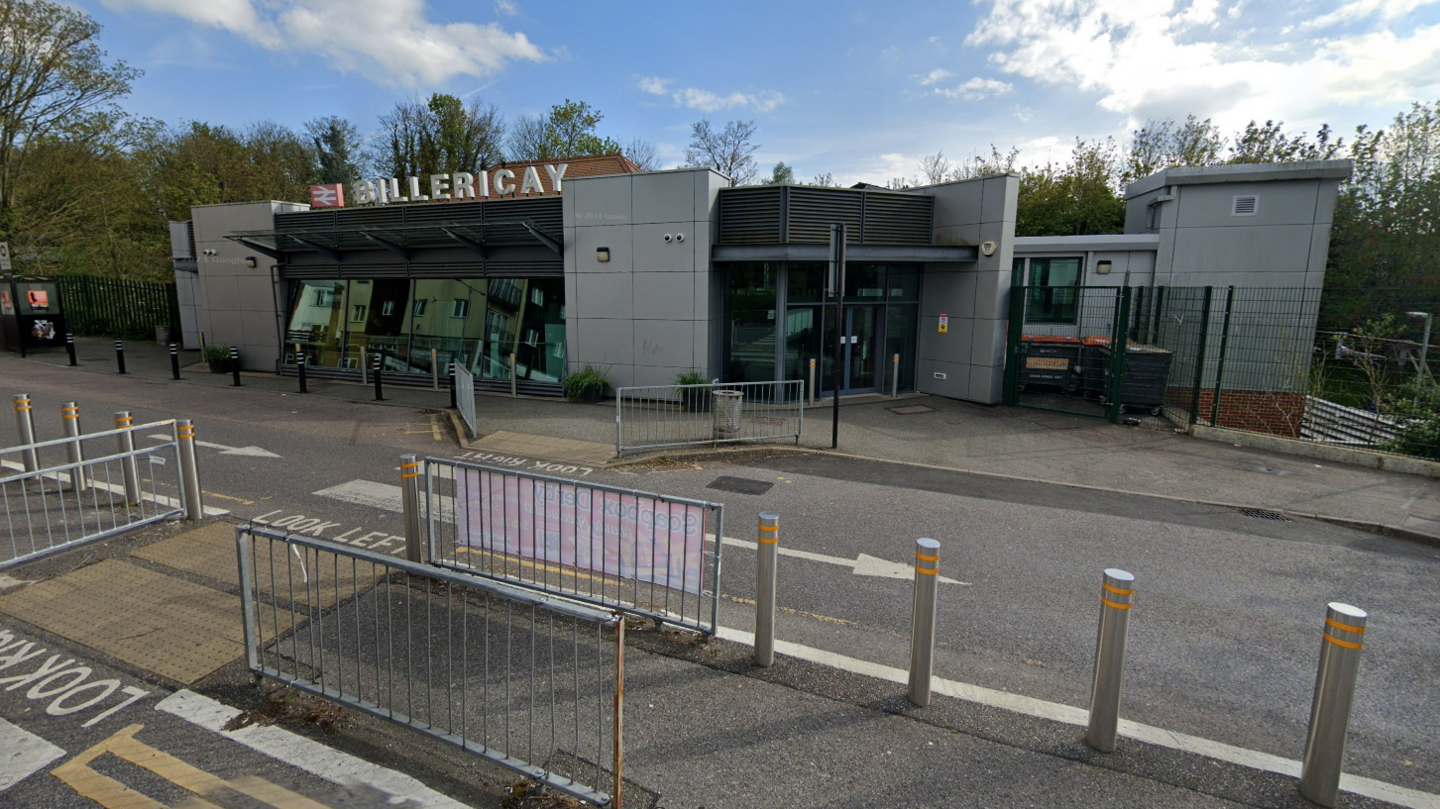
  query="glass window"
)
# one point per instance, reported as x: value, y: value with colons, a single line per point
x: 525, y: 317
x: 750, y: 322
x: 317, y: 323
x: 904, y: 283
x: 378, y: 314
x: 419, y: 310
x: 900, y: 333
x: 805, y: 283
x: 461, y: 308
x: 453, y: 339
x: 1053, y: 290
x: 802, y: 340
x: 864, y: 281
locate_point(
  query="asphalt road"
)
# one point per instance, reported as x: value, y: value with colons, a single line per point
x: 1224, y: 637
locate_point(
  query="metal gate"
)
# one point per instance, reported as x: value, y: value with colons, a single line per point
x: 643, y: 553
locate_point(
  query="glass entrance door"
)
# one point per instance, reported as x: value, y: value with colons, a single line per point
x: 859, y: 345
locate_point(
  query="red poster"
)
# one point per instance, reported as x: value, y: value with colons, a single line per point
x: 39, y: 299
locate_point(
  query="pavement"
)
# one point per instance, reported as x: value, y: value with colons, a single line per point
x: 825, y: 727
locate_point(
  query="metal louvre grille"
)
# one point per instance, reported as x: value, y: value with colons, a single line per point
x: 898, y: 218
x: 814, y: 210
x: 750, y: 216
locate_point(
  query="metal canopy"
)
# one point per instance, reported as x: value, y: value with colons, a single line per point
x: 402, y: 239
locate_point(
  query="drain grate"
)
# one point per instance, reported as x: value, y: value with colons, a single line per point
x: 1261, y: 514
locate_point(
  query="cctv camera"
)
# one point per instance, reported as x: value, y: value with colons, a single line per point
x: 668, y: 237
x: 679, y: 237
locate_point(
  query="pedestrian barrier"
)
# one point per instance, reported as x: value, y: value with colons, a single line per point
x: 611, y: 547
x: 658, y: 416
x: 73, y: 490
x: 531, y: 683
x: 463, y: 390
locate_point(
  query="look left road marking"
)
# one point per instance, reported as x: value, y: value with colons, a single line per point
x: 24, y: 754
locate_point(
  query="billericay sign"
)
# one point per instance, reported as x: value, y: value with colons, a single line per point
x: 457, y: 186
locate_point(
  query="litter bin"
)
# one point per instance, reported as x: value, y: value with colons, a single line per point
x: 726, y: 413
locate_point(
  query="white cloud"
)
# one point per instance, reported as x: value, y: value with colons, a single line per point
x: 506, y: 7
x: 1157, y: 60
x: 938, y: 74
x: 696, y: 98
x: 1357, y: 10
x: 975, y: 89
x: 387, y: 41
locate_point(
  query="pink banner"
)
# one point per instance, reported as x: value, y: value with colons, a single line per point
x: 634, y: 537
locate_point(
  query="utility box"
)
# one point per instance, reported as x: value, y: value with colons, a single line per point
x: 1144, y: 380
x: 31, y: 316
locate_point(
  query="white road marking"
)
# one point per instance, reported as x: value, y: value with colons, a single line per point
x: 251, y: 452
x: 116, y: 488
x: 21, y: 754
x: 1070, y: 715
x: 863, y: 565
x: 298, y: 751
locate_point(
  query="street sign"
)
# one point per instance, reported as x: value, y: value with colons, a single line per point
x: 4, y: 257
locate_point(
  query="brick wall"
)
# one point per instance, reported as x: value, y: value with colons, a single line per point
x: 1252, y: 410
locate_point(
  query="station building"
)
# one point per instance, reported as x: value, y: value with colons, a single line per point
x: 646, y: 275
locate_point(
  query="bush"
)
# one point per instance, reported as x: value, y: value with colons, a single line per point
x: 1416, y: 409
x: 690, y: 377
x: 213, y: 353
x: 587, y: 384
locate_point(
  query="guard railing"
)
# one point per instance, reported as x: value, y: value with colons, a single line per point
x: 660, y: 416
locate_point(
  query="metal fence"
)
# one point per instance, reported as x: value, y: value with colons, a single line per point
x: 111, y: 307
x: 618, y: 548
x: 658, y: 416
x: 64, y: 492
x: 465, y: 396
x: 530, y: 683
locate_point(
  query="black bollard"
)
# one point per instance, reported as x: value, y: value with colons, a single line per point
x: 379, y: 396
x: 120, y: 355
x: 300, y: 369
x: 450, y: 370
x: 174, y: 361
x: 70, y: 348
x: 235, y: 365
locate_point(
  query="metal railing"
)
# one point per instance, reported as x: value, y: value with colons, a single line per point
x: 658, y: 416
x: 465, y: 397
x: 617, y: 548
x: 73, y: 490
x: 531, y: 683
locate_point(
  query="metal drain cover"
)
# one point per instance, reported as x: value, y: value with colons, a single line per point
x: 910, y: 410
x: 1261, y: 514
x: 725, y: 483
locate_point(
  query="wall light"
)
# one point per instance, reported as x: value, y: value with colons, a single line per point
x: 1102, y: 268
x: 602, y: 254
x: 250, y: 262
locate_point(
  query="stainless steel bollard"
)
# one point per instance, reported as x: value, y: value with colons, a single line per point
x: 189, y: 470
x: 434, y: 371
x: 512, y: 375
x: 126, y: 441
x: 70, y: 423
x: 766, y: 552
x: 1117, y: 594
x: 1340, y: 643
x: 25, y: 425
x: 922, y: 623
x: 895, y: 377
x: 814, y: 394
x: 410, y: 499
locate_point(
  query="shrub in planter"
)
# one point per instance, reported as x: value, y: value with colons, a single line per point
x: 587, y: 385
x: 218, y: 357
x: 695, y: 400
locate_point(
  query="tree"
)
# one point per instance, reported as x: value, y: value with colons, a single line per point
x: 1164, y: 144
x: 402, y: 148
x: 1076, y: 198
x: 54, y: 82
x: 991, y: 166
x: 780, y: 175
x: 826, y: 180
x: 642, y: 153
x: 568, y: 130
x: 336, y: 148
x: 728, y: 151
x: 461, y: 137
x: 934, y: 168
x: 1268, y: 143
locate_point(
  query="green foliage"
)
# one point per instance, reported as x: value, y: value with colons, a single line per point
x: 780, y: 175
x: 728, y: 151
x: 214, y: 353
x: 690, y: 377
x: 1079, y: 197
x: 587, y: 381
x: 1416, y: 410
x: 440, y: 135
x: 568, y: 130
x: 337, y: 144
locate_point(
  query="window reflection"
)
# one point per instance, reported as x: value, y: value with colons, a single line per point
x: 317, y: 324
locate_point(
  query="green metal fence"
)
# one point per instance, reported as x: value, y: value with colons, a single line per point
x: 108, y: 307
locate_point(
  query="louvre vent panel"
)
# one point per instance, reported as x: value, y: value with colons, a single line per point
x: 803, y: 215
x: 750, y: 216
x: 898, y: 218
x: 814, y: 210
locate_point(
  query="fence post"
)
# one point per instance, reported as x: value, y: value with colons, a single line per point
x: 434, y: 371
x: 235, y: 365
x: 767, y: 550
x: 895, y: 377
x: 379, y: 394
x: 1200, y: 358
x: 120, y: 356
x: 126, y: 441
x: 70, y: 423
x: 1116, y: 597
x: 619, y: 730
x: 1220, y: 365
x: 922, y: 623
x: 70, y: 348
x: 1340, y: 643
x: 814, y: 394
x: 25, y: 425
x: 410, y: 501
x: 512, y: 376
x: 1119, y: 347
x: 300, y: 371
x: 189, y: 469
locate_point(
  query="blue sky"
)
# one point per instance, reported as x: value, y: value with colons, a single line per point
x: 862, y: 90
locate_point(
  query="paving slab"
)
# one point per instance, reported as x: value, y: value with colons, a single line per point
x: 546, y: 447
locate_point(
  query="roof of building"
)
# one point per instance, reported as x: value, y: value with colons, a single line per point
x: 1243, y: 173
x: 583, y: 166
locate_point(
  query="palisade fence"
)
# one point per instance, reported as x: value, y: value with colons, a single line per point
x: 1338, y: 366
x: 108, y: 307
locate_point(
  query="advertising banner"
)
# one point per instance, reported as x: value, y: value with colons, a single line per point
x: 638, y: 537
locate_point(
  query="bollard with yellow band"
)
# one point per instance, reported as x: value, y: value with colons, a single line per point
x: 922, y: 627
x: 1340, y: 642
x: 189, y: 470
x: 25, y: 425
x: 125, y: 439
x: 767, y: 549
x: 410, y: 500
x: 1117, y: 594
x: 70, y: 424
